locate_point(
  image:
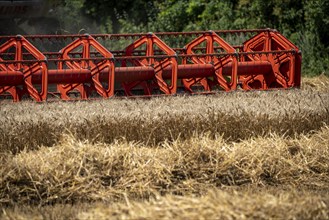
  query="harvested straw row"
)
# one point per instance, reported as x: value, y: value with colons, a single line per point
x: 251, y: 203
x: 236, y: 116
x: 220, y: 205
x: 75, y: 171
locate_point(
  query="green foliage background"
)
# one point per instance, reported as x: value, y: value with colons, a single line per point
x: 304, y: 22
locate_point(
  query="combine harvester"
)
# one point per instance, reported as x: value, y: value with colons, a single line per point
x: 84, y: 66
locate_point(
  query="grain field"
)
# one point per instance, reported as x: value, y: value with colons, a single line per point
x: 236, y: 155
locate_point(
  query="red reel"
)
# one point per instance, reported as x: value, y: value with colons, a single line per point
x: 158, y: 64
x: 36, y: 63
x: 94, y: 64
x: 283, y: 56
x: 211, y: 39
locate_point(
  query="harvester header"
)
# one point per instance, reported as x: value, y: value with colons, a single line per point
x: 146, y: 64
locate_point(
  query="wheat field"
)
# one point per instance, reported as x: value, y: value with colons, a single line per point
x: 237, y: 155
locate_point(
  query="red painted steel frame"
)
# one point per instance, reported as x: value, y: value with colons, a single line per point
x: 86, y: 43
x: 150, y: 41
x: 20, y: 44
x: 265, y: 61
x: 211, y: 39
x: 286, y: 66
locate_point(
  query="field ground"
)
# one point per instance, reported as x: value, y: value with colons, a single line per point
x: 237, y: 155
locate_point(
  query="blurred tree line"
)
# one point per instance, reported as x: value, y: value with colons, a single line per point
x: 304, y: 22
